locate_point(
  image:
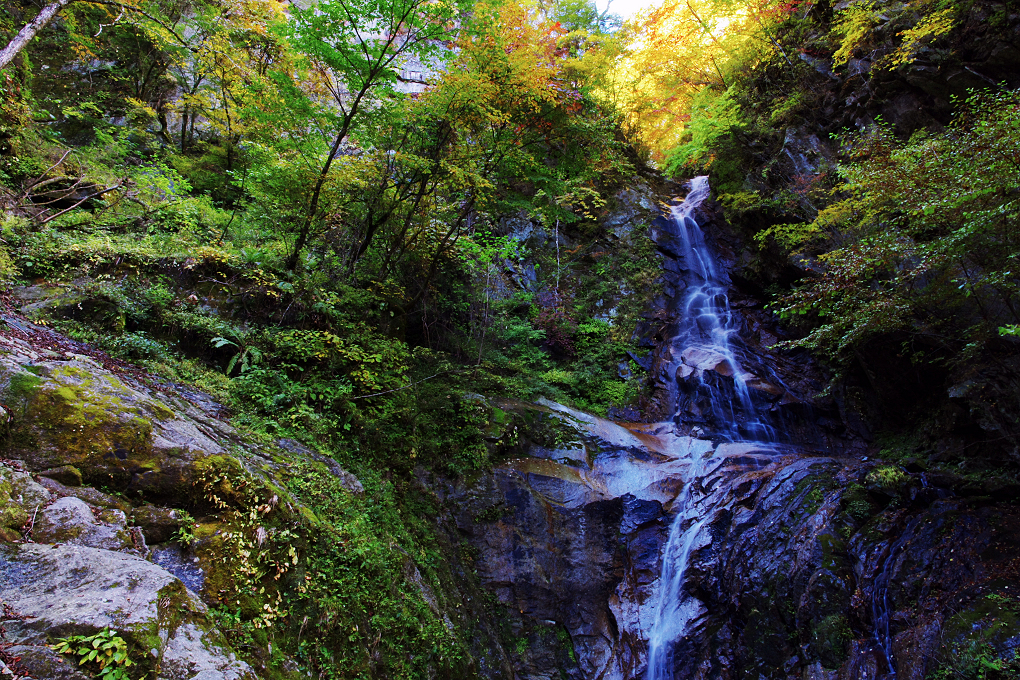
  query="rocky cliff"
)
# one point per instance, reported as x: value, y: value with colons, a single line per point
x: 805, y: 565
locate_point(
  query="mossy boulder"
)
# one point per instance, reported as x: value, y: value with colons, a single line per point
x: 71, y: 520
x: 20, y: 498
x: 40, y: 661
x: 91, y: 496
x: 119, y: 435
x: 72, y: 590
x: 68, y: 475
x: 158, y: 524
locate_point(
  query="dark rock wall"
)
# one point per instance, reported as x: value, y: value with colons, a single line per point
x: 790, y: 573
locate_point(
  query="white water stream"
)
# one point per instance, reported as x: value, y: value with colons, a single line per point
x: 701, y: 354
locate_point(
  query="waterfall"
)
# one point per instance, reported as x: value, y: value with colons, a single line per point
x: 880, y: 609
x: 703, y: 368
x: 675, y: 609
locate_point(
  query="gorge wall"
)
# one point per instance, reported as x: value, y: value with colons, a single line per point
x: 803, y: 557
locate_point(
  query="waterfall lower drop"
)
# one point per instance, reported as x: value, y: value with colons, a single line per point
x: 675, y: 609
x: 701, y: 353
x: 880, y: 609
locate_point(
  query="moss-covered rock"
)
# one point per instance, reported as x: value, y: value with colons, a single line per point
x: 72, y: 590
x: 71, y: 520
x: 76, y: 415
x: 20, y: 498
x: 158, y: 524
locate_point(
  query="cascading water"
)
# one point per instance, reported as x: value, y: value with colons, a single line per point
x: 703, y: 369
x: 675, y: 608
x: 880, y: 610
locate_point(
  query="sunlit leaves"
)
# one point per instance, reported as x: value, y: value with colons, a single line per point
x: 852, y: 27
x: 861, y: 26
x: 713, y: 117
x: 354, y: 47
x: 677, y: 61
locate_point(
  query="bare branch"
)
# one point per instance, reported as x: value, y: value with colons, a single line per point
x: 107, y: 190
x: 30, y: 30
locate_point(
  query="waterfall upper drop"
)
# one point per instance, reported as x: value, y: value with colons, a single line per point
x: 705, y: 379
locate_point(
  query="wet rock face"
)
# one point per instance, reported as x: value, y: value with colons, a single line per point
x: 569, y: 539
x: 806, y: 566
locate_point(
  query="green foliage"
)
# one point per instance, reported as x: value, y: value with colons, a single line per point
x: 976, y: 646
x: 887, y: 477
x: 856, y: 502
x: 185, y: 533
x: 921, y: 245
x: 714, y: 118
x: 247, y: 356
x: 365, y: 582
x: 105, y: 652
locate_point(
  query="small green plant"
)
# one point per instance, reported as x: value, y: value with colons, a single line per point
x: 887, y: 476
x: 106, y: 651
x: 247, y: 355
x: 185, y: 534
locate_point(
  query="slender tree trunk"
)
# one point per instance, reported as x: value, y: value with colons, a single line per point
x: 30, y: 30
x: 184, y: 129
x: 313, y: 204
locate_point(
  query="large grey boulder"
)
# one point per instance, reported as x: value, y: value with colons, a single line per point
x: 119, y: 434
x: 65, y: 590
x: 71, y: 520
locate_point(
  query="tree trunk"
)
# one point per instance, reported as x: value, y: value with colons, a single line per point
x: 30, y: 30
x: 184, y: 129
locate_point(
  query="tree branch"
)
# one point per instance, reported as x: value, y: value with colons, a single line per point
x: 51, y: 10
x: 30, y: 30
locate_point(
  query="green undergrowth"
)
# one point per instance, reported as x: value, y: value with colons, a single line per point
x: 347, y: 583
x: 344, y: 584
x: 299, y: 355
x: 105, y: 651
x: 976, y: 642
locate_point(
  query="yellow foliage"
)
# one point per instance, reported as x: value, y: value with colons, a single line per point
x: 676, y: 51
x: 930, y: 27
x: 854, y: 26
